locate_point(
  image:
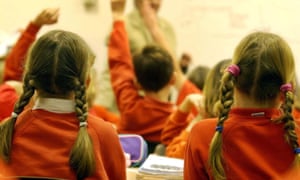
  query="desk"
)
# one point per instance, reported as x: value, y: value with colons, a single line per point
x: 131, y: 173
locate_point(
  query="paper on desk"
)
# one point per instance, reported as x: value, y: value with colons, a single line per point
x: 162, y: 165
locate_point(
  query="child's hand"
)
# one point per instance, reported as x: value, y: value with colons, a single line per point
x: 118, y: 8
x: 190, y: 101
x: 47, y: 16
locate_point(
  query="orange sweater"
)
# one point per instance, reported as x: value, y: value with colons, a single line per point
x: 187, y: 88
x: 14, y: 65
x: 253, y: 146
x: 14, y: 62
x: 176, y: 122
x: 8, y: 98
x: 139, y: 115
x: 42, y: 142
x: 296, y: 113
x: 104, y: 114
x: 177, y: 146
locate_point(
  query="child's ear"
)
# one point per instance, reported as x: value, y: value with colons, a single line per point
x: 137, y: 85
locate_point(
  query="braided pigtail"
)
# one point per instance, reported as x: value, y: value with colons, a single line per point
x: 7, y: 127
x: 224, y: 105
x: 288, y: 120
x: 82, y: 155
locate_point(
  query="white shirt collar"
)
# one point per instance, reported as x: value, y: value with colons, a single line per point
x: 55, y: 105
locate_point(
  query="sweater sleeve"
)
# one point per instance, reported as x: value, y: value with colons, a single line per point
x: 177, y: 146
x: 176, y: 122
x: 14, y: 63
x: 187, y: 88
x: 8, y: 98
x: 121, y: 69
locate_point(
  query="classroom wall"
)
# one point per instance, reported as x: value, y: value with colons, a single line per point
x: 207, y: 29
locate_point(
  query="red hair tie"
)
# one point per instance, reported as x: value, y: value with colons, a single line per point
x: 234, y: 70
x: 286, y: 87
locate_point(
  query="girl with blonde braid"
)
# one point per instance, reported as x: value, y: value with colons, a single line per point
x: 56, y: 138
x: 255, y: 135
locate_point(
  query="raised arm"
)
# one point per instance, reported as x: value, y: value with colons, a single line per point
x: 150, y: 19
x: 182, y: 118
x: 14, y: 63
x: 120, y: 61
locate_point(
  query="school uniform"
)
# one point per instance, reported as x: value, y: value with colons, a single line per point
x: 253, y: 147
x: 13, y: 70
x: 8, y: 98
x: 44, y: 136
x: 14, y: 62
x: 175, y: 123
x: 177, y: 146
x: 103, y: 113
x: 187, y: 88
x: 139, y: 114
x: 296, y: 113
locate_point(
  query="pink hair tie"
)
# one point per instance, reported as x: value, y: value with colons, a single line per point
x: 234, y: 70
x: 286, y: 87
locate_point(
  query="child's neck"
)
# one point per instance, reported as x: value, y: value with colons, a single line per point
x: 244, y: 101
x: 162, y: 95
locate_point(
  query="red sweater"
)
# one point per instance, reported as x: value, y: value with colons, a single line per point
x: 8, y: 98
x: 296, y: 113
x: 175, y: 124
x: 187, y: 88
x: 104, y: 114
x: 42, y: 142
x: 253, y: 147
x: 14, y: 65
x: 139, y: 114
x: 14, y: 62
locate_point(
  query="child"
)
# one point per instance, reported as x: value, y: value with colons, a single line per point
x: 155, y: 73
x: 255, y: 136
x: 179, y: 124
x: 198, y: 76
x: 57, y: 138
x: 14, y: 66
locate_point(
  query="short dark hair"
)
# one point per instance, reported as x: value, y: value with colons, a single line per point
x: 153, y: 68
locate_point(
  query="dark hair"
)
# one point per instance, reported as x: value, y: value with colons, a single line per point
x: 153, y: 68
x: 58, y: 64
x: 266, y: 63
x: 198, y: 76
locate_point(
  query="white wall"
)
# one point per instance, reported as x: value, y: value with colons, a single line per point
x: 208, y: 29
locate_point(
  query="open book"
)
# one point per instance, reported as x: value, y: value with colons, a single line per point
x: 161, y: 167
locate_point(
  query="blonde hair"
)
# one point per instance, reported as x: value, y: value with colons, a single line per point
x: 266, y: 63
x: 212, y: 86
x: 57, y: 64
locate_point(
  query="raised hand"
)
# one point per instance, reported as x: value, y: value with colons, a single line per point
x: 47, y: 16
x: 190, y: 101
x: 118, y: 8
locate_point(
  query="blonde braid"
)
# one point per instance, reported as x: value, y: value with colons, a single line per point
x: 82, y: 154
x: 7, y: 127
x: 289, y: 124
x: 224, y: 105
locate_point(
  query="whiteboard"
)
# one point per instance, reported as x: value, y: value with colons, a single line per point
x: 211, y: 29
x: 208, y: 29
